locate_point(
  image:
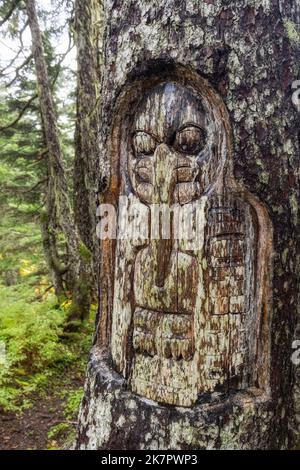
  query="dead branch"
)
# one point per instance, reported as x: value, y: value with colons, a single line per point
x: 21, y: 113
x: 17, y: 70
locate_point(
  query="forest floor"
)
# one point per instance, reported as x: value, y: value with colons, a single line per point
x: 37, y: 428
x: 42, y: 368
x: 46, y: 424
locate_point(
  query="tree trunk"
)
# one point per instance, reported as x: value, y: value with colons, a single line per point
x: 88, y: 36
x: 58, y: 202
x: 88, y: 29
x: 194, y: 341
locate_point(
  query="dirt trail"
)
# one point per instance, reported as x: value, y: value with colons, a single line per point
x: 29, y: 430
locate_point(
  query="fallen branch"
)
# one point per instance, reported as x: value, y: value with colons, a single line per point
x: 39, y: 297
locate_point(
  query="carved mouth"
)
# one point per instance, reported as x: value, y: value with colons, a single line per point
x: 169, y: 335
x: 185, y: 174
x: 143, y: 309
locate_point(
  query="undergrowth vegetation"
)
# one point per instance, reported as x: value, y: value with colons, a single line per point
x: 38, y: 357
x: 35, y: 350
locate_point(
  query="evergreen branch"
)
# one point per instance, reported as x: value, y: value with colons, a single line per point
x: 40, y: 157
x: 62, y: 58
x: 20, y: 51
x: 27, y: 105
x: 10, y: 12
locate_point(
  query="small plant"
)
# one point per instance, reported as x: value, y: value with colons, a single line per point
x: 71, y: 407
x: 57, y: 430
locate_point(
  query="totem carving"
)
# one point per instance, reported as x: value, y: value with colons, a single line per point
x: 190, y: 311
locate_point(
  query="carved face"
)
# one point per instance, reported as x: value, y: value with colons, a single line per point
x: 173, y: 156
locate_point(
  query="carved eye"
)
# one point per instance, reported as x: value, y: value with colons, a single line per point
x: 143, y: 144
x: 143, y: 170
x: 190, y: 140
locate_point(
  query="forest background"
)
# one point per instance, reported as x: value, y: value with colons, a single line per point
x: 48, y: 129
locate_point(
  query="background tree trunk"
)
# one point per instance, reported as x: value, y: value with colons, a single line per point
x: 249, y: 53
x: 88, y: 36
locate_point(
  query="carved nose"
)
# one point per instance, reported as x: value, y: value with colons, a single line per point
x: 164, y: 166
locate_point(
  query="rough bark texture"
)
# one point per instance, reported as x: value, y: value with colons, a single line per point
x: 114, y: 418
x: 248, y: 52
x: 88, y: 36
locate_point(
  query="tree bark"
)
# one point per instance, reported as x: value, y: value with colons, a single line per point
x: 243, y: 58
x: 88, y: 29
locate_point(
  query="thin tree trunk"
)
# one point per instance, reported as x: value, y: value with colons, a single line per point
x: 52, y: 257
x: 48, y: 220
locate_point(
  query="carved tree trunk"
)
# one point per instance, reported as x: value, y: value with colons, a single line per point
x: 198, y: 304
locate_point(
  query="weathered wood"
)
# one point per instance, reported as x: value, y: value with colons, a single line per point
x: 193, y: 315
x: 188, y: 119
